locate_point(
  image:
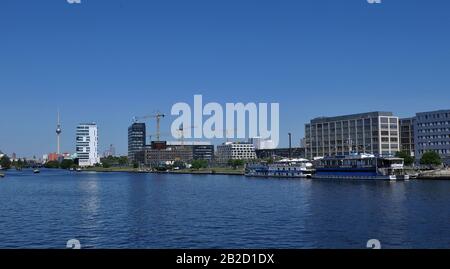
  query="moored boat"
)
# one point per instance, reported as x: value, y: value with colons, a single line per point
x: 360, y: 166
x: 2, y: 175
x: 285, y: 168
x: 36, y: 171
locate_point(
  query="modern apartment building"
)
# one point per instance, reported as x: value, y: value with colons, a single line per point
x: 432, y: 133
x: 87, y: 144
x: 407, y: 135
x: 235, y: 151
x: 136, y: 142
x: 372, y: 132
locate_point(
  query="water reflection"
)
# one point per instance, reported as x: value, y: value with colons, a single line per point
x: 347, y: 214
x: 137, y: 208
x: 120, y: 210
x: 89, y: 205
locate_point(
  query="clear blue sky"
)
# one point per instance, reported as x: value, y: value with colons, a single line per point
x: 107, y: 61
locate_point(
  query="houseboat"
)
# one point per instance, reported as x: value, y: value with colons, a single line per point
x: 360, y: 166
x: 285, y: 168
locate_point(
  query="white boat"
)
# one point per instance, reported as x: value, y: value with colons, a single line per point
x: 285, y: 168
x: 360, y: 166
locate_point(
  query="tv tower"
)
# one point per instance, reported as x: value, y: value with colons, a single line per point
x: 58, y: 132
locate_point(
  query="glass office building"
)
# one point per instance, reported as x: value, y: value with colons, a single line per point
x: 136, y: 142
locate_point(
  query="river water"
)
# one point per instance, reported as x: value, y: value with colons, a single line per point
x: 126, y: 210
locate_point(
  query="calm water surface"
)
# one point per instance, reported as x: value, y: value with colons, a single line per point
x: 120, y: 210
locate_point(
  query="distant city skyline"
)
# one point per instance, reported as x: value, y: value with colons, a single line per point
x: 108, y: 63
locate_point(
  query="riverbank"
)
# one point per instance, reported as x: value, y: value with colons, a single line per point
x: 210, y: 171
x: 203, y: 171
x: 442, y: 174
x: 112, y: 169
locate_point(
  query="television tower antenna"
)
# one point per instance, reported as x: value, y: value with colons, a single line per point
x: 58, y: 133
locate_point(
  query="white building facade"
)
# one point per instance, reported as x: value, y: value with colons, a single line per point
x: 235, y: 151
x: 87, y: 144
x: 373, y: 132
x: 260, y: 143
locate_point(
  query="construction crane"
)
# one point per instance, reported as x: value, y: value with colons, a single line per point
x: 158, y: 116
x: 182, y: 129
x: 181, y: 132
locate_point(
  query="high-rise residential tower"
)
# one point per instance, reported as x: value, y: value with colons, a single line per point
x: 87, y: 144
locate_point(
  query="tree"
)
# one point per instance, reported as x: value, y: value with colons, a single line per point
x: 406, y: 157
x: 106, y: 164
x: 197, y: 164
x: 123, y: 161
x: 115, y: 161
x: 19, y: 163
x: 5, y: 162
x: 179, y: 164
x: 66, y: 164
x: 236, y: 163
x: 51, y: 164
x: 431, y: 158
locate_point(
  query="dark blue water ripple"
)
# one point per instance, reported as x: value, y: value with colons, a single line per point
x: 120, y: 210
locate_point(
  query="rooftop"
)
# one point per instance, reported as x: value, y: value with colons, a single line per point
x: 189, y: 143
x: 435, y: 111
x: 87, y: 124
x: 352, y: 116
